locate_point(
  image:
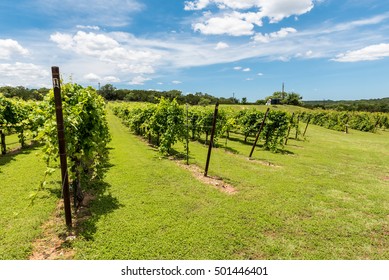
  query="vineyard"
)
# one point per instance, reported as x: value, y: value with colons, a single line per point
x: 167, y: 122
x: 307, y: 192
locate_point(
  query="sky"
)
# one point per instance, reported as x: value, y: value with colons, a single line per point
x: 321, y: 49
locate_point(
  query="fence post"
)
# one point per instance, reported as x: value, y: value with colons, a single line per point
x: 290, y: 127
x: 187, y: 135
x: 259, y: 132
x: 212, y: 137
x: 61, y: 144
x: 306, y: 127
x: 3, y: 145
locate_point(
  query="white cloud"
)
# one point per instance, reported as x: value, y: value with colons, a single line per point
x: 268, y: 37
x: 91, y: 77
x: 225, y: 25
x: 260, y: 74
x: 9, y: 48
x: 221, y: 45
x: 91, y: 27
x: 176, y: 82
x: 236, y: 23
x: 139, y: 80
x: 238, y: 68
x: 196, y: 5
x: 22, y: 74
x: 111, y: 79
x: 102, y: 46
x: 246, y: 70
x: 373, y: 52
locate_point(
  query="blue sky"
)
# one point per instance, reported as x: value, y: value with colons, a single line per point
x: 321, y: 49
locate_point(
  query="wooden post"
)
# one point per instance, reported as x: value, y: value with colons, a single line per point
x: 3, y: 145
x: 297, y: 126
x: 61, y: 144
x: 306, y: 127
x: 212, y: 137
x: 259, y: 132
x: 187, y: 135
x: 290, y: 126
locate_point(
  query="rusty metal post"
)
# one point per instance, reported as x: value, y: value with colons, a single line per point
x: 61, y: 144
x: 212, y: 137
x: 290, y: 127
x: 259, y: 132
x: 306, y: 127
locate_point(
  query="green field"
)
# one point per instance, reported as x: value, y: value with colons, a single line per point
x: 323, y: 198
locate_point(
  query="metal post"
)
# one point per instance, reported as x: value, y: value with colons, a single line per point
x: 187, y: 135
x: 306, y: 127
x: 297, y: 126
x: 211, y: 141
x: 259, y: 132
x: 61, y: 144
x: 290, y: 126
x: 3, y: 145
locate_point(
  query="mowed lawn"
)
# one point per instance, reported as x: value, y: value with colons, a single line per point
x: 325, y: 198
x: 21, y: 174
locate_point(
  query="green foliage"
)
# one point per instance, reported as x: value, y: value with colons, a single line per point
x: 166, y: 122
x: 86, y: 131
x: 362, y: 121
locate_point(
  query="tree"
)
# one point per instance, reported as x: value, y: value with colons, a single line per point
x: 108, y: 92
x: 293, y: 98
x: 244, y: 100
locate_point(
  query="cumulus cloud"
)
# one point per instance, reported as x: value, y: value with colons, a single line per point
x: 268, y: 37
x: 91, y: 77
x: 176, y: 82
x: 107, y: 49
x: 229, y: 25
x: 373, y: 52
x: 240, y: 17
x: 9, y: 48
x: 246, y: 70
x: 22, y: 73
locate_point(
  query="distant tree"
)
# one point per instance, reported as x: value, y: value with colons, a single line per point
x: 293, y: 98
x: 204, y: 101
x: 244, y: 100
x: 260, y: 102
x: 108, y: 92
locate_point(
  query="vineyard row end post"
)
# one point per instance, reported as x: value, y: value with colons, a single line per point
x: 61, y: 144
x: 259, y: 132
x: 212, y: 137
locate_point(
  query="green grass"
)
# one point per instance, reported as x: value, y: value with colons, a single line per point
x: 326, y: 198
x: 20, y: 175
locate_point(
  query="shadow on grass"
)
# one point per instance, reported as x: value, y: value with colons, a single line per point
x: 101, y: 203
x: 11, y: 155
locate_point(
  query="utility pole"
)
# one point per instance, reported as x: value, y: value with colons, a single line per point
x: 283, y: 90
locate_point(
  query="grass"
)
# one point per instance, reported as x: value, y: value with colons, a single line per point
x: 21, y: 173
x: 326, y: 198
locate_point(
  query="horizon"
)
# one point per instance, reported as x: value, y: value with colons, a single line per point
x: 320, y: 49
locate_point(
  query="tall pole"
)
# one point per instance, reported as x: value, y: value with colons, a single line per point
x: 211, y: 141
x: 61, y: 144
